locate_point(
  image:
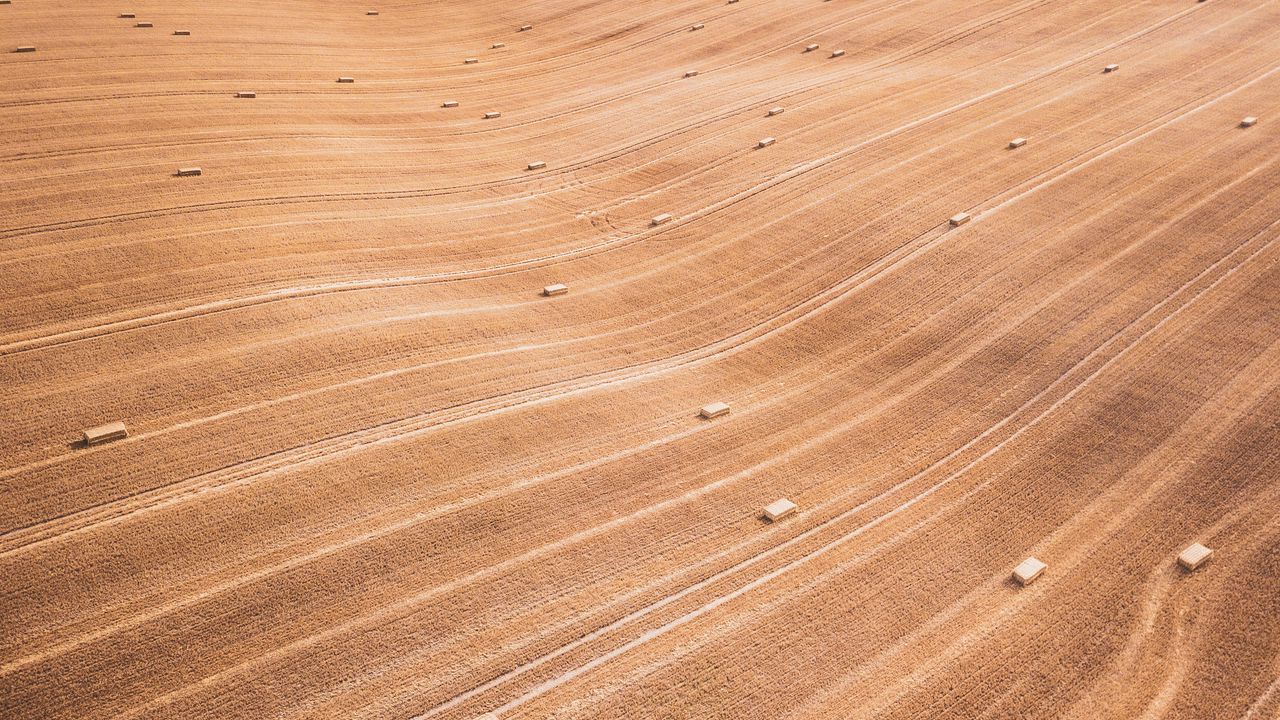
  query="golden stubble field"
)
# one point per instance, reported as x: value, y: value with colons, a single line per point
x: 372, y: 472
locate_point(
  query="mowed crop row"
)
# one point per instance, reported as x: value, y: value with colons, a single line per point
x: 372, y: 472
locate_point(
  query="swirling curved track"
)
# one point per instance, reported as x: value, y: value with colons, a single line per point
x: 373, y: 474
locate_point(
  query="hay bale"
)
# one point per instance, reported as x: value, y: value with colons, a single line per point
x: 699, y: 26
x: 25, y: 48
x: 714, y: 410
x: 492, y: 115
x: 779, y: 509
x: 1028, y: 570
x: 776, y: 111
x: 371, y: 12
x: 128, y: 15
x: 188, y: 172
x: 959, y: 219
x: 837, y: 53
x: 496, y: 46
x: 1111, y: 68
x: 1194, y: 556
x: 449, y: 103
x: 144, y: 25
x: 765, y: 142
x: 659, y: 219
x: 105, y: 433
x: 690, y: 73
x: 346, y: 79
x: 811, y: 47
x: 470, y: 61
x: 1249, y: 121
x: 523, y: 28
x: 556, y: 289
x: 246, y: 94
x: 1017, y: 143
x: 181, y: 32
x: 537, y: 165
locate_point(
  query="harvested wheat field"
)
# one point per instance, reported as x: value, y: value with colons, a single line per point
x: 447, y: 359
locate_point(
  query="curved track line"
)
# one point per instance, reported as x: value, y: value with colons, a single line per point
x: 686, y: 497
x: 307, y: 291
x: 774, y: 399
x: 410, y: 427
x: 24, y: 231
x: 1130, y: 248
x: 419, y: 366
x: 548, y: 685
x: 1104, y: 503
x: 954, y: 360
x: 749, y: 106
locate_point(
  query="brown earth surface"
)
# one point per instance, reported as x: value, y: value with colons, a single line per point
x: 373, y: 473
